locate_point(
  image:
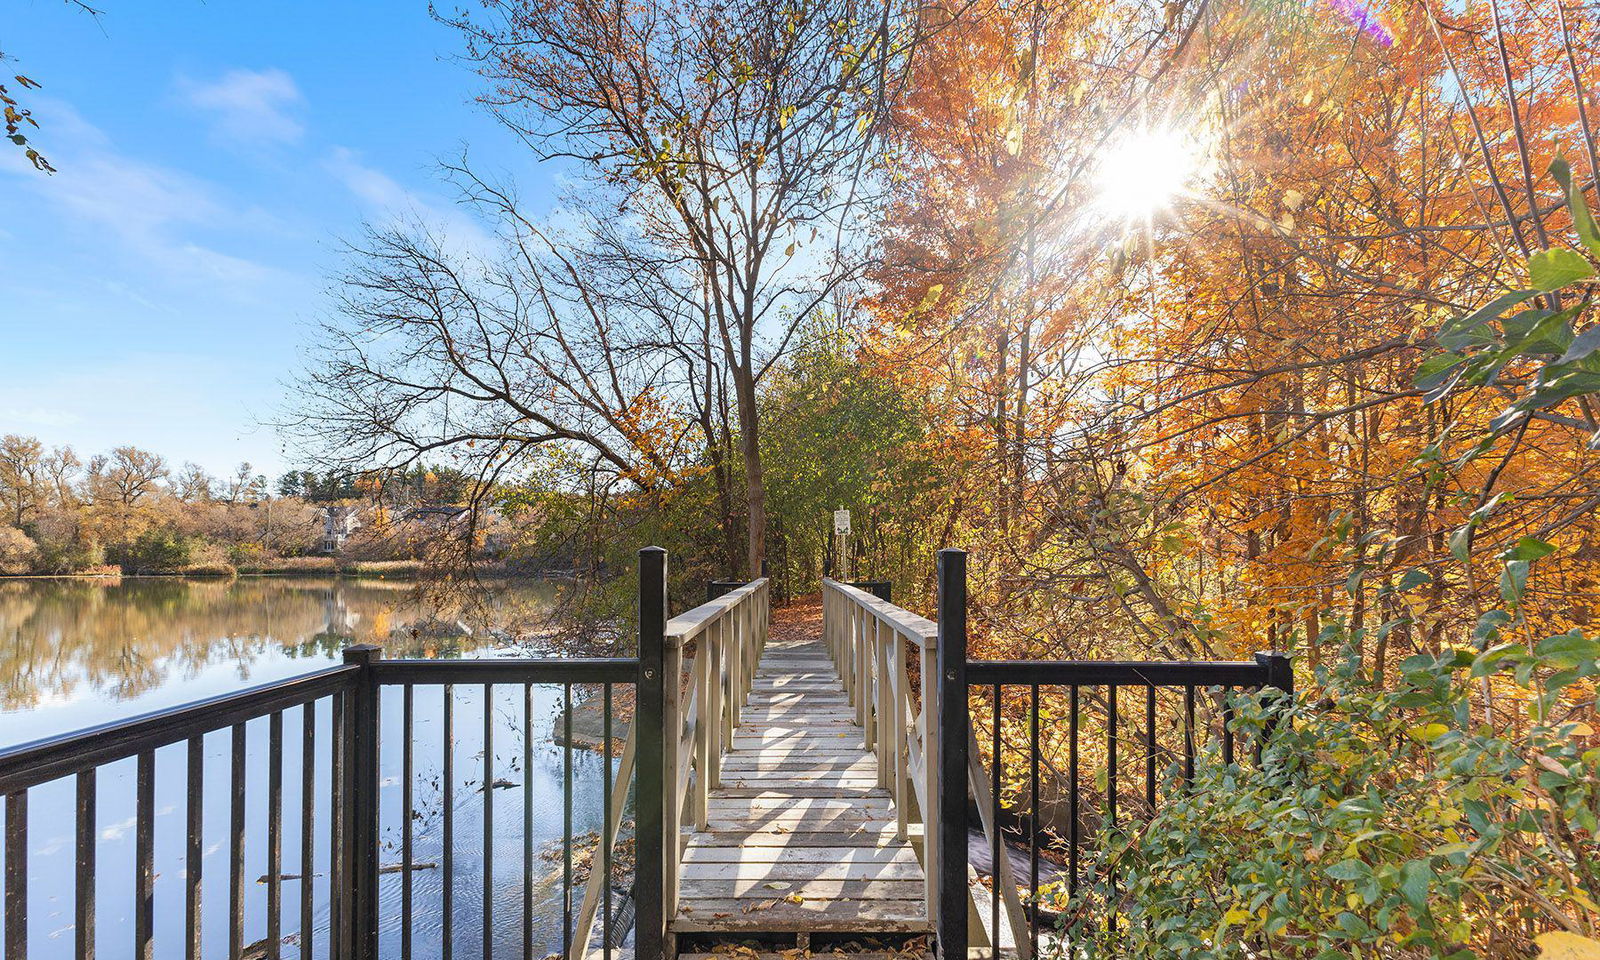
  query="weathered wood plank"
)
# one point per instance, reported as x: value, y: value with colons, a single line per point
x: 834, y: 854
x: 821, y: 916
x: 744, y: 888
x: 869, y: 836
x: 798, y: 789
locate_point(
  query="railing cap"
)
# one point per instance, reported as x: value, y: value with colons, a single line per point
x: 691, y: 623
x: 919, y: 630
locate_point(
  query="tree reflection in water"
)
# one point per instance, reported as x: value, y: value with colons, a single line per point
x: 78, y: 651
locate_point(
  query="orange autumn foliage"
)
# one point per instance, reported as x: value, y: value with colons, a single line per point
x: 1200, y: 434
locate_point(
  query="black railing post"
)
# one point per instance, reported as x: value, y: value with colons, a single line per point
x: 882, y: 589
x: 953, y: 724
x: 361, y: 805
x: 650, y: 880
x: 1280, y: 673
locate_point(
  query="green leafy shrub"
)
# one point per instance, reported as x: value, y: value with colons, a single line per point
x: 1425, y: 819
x: 153, y: 551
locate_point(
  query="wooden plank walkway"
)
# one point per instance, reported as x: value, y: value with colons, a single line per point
x: 800, y: 836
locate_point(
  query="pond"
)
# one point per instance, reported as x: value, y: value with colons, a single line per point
x: 75, y: 653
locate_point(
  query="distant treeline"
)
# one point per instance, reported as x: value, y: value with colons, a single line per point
x: 129, y: 511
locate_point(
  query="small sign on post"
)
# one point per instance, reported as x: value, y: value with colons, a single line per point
x: 841, y: 535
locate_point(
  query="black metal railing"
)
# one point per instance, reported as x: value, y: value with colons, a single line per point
x: 318, y: 701
x: 344, y: 721
x: 1195, y: 697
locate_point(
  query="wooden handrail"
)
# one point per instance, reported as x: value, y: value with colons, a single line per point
x: 695, y: 621
x: 723, y: 639
x: 867, y: 638
x: 916, y: 629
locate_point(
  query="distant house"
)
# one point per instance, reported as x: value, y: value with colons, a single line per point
x: 339, y: 521
x: 441, y: 518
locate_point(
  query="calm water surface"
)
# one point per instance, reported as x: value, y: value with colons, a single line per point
x: 75, y: 653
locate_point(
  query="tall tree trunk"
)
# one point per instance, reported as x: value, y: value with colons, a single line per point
x: 755, y: 486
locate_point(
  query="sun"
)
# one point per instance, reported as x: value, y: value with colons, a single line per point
x: 1144, y: 171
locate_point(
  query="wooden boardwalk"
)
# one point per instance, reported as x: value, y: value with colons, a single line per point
x: 800, y: 836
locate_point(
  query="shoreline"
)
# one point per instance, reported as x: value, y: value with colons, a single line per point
x: 348, y: 573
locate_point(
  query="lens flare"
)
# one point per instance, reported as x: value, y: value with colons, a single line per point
x: 1145, y: 171
x: 1368, y: 17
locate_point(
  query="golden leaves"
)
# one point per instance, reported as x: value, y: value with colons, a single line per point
x: 1567, y: 946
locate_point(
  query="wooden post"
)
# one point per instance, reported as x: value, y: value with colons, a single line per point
x: 702, y: 733
x: 361, y: 791
x: 715, y: 636
x: 650, y: 919
x: 885, y: 724
x: 953, y: 734
x: 735, y: 650
x: 858, y: 635
x: 898, y: 692
x: 671, y: 801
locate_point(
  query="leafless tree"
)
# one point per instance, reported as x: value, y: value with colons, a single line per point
x: 727, y: 157
x: 193, y: 484
x: 125, y: 476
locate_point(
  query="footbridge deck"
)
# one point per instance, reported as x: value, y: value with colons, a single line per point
x: 799, y: 834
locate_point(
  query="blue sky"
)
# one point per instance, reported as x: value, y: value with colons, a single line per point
x: 158, y: 289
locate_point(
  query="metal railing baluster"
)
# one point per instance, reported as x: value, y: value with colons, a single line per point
x: 407, y: 804
x: 275, y: 835
x: 447, y: 858
x: 566, y: 824
x: 1150, y: 747
x: 1074, y: 829
x: 1111, y: 795
x: 144, y: 842
x: 1033, y: 817
x: 83, y: 940
x: 527, y: 821
x: 16, y: 906
x: 308, y: 822
x: 1188, y: 734
x: 236, y: 845
x: 605, y: 835
x: 487, y: 922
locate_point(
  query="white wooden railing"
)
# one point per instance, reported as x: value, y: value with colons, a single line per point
x: 722, y: 640
x: 868, y: 639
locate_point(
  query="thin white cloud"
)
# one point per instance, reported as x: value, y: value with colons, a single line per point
x: 150, y: 210
x: 385, y: 198
x: 249, y: 106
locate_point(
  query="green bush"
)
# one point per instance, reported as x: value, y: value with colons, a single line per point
x: 1412, y: 821
x: 153, y: 551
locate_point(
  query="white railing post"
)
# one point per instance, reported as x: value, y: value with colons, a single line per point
x: 735, y: 648
x: 713, y: 708
x: 900, y: 714
x: 672, y: 736
x: 883, y: 723
x: 702, y: 739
